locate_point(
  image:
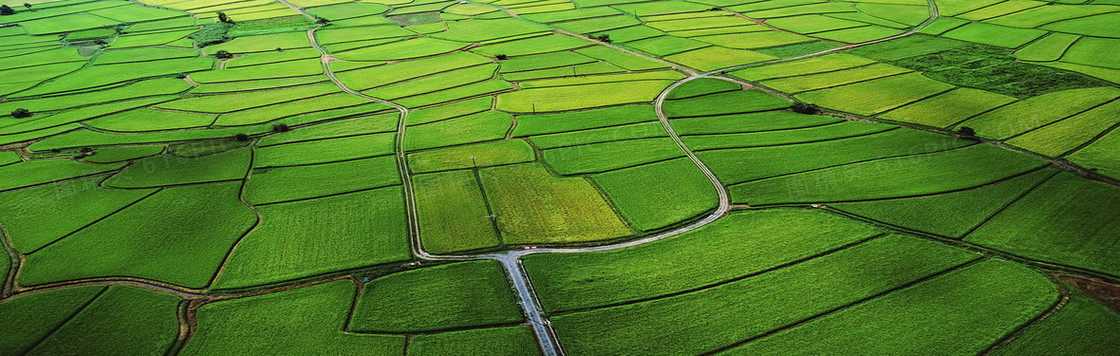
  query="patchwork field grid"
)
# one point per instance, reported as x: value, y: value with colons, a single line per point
x: 551, y: 177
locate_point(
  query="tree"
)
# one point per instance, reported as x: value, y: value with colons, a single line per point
x: 223, y: 17
x: 281, y: 128
x: 807, y: 109
x: 6, y: 10
x: 27, y: 5
x: 605, y: 38
x: 223, y: 54
x: 966, y: 131
x: 322, y: 21
x: 21, y: 113
x: 241, y: 137
x: 501, y: 57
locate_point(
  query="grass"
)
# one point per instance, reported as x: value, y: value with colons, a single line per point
x: 825, y: 63
x: 185, y: 234
x: 666, y: 45
x: 457, y: 93
x: 831, y: 79
x: 451, y: 296
x: 1070, y: 133
x: 310, y: 318
x: 121, y: 154
x: 950, y: 214
x: 995, y: 70
x: 271, y: 185
x: 717, y: 317
x: 312, y: 106
x: 702, y: 86
x: 1075, y: 232
x: 605, y: 134
x: 891, y: 177
x: 447, y: 111
x: 960, y: 313
x: 1028, y: 114
x: 469, y: 156
x: 508, y: 340
x: 40, y: 313
x: 876, y: 96
x: 144, y: 54
x: 435, y: 82
x: 713, y: 58
x: 486, y: 30
x: 1096, y: 25
x: 297, y: 240
x: 540, y: 124
x: 544, y: 61
x: 361, y: 125
x: 947, y: 109
x: 1100, y: 156
x: 552, y: 99
x: 413, y: 48
x: 752, y: 122
x: 225, y: 103
x: 288, y: 69
x: 739, y: 244
x: 1080, y: 327
x: 453, y: 214
x: 734, y: 166
x: 122, y: 319
x: 657, y: 195
x: 166, y: 170
x: 1049, y: 48
x: 323, y: 151
x: 542, y: 44
x: 117, y: 73
x: 34, y: 217
x: 1087, y: 51
x: 783, y: 137
x: 530, y: 203
x: 26, y: 174
x: 734, y: 102
x: 485, y: 126
x: 606, y: 156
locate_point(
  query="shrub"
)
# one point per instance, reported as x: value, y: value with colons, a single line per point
x: 605, y: 38
x: 966, y: 131
x: 21, y: 113
x: 222, y: 17
x: 501, y: 57
x: 27, y: 5
x: 241, y: 137
x: 803, y: 108
x: 223, y: 54
x: 281, y: 128
x: 6, y: 10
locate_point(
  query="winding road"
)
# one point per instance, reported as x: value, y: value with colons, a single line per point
x: 511, y: 260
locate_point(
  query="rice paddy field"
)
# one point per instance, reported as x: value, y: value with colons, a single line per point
x: 551, y: 177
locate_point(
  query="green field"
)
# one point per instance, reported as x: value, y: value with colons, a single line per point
x: 548, y: 177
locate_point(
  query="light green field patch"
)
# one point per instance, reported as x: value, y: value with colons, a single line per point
x: 164, y: 170
x: 485, y: 30
x: 831, y: 79
x: 812, y: 23
x: 185, y: 234
x: 550, y: 43
x: 296, y: 240
x: 469, y: 156
x: 1049, y: 48
x: 657, y: 195
x: 285, y: 184
x: 453, y: 213
x: 995, y: 35
x: 666, y: 45
x: 1064, y: 136
x: 825, y: 63
x: 1093, y: 51
x: 859, y: 34
x: 413, y: 48
x: 876, y: 96
x: 1037, y: 111
x: 451, y: 296
x: 580, y: 97
x: 532, y: 206
x: 485, y: 126
x: 603, y: 78
x: 713, y: 58
x: 322, y: 151
x: 753, y: 40
x: 949, y: 108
